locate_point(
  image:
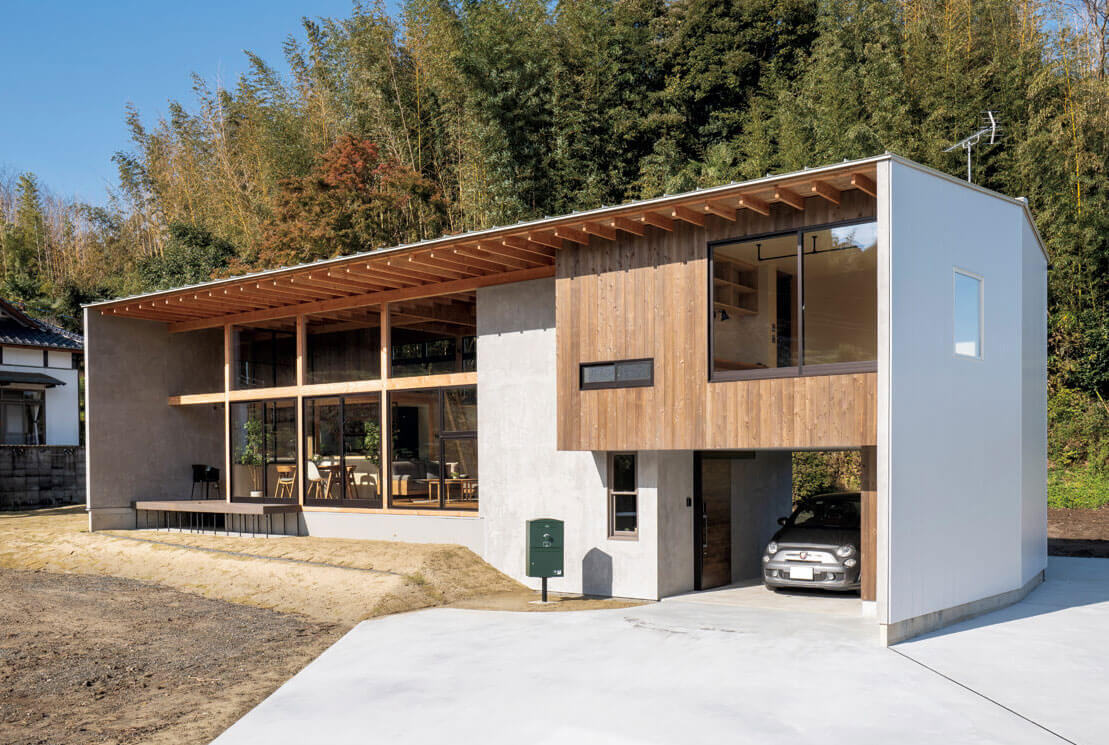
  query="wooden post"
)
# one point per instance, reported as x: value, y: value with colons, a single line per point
x: 227, y: 362
x: 302, y: 374
x: 868, y: 533
x: 385, y: 472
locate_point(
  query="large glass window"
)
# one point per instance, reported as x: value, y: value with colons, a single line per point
x: 434, y: 448
x: 265, y: 355
x: 803, y: 302
x: 345, y: 345
x: 433, y: 336
x: 263, y: 451
x: 22, y: 417
x: 342, y: 451
x: 840, y: 272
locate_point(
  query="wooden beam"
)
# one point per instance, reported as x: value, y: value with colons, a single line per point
x: 545, y: 239
x: 470, y: 262
x: 750, y: 202
x: 571, y: 234
x: 720, y: 210
x: 372, y: 298
x: 629, y: 226
x: 864, y: 183
x: 453, y: 268
x: 601, y: 231
x: 825, y: 190
x: 790, y: 197
x: 497, y: 249
x: 528, y: 248
x: 687, y: 215
x: 656, y: 220
x: 480, y: 253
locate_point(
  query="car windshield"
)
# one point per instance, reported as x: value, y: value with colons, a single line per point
x: 827, y: 513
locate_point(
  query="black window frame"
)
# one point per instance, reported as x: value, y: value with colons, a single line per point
x: 800, y: 369
x: 615, y: 383
x: 343, y: 500
x: 266, y: 434
x: 443, y: 436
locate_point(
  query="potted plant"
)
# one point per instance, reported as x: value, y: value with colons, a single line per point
x: 252, y: 454
x: 371, y: 441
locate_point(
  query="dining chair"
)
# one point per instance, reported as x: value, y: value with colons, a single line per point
x: 286, y: 482
x: 317, y: 481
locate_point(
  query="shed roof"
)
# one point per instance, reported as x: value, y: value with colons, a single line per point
x: 467, y: 261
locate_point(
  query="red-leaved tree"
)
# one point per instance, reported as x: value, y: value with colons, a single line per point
x: 354, y: 200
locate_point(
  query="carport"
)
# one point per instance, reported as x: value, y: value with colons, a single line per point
x: 739, y: 497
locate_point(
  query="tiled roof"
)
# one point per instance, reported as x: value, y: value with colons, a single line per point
x: 19, y: 329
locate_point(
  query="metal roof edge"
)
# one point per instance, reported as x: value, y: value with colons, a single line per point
x: 1021, y: 202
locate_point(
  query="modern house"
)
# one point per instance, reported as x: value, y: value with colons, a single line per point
x: 642, y: 372
x: 40, y: 417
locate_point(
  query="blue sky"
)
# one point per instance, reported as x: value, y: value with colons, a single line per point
x: 68, y: 68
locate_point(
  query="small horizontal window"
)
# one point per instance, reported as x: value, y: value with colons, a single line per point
x: 623, y: 374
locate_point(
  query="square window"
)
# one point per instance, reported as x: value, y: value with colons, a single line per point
x: 968, y: 315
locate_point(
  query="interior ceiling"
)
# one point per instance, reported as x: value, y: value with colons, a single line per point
x: 523, y: 251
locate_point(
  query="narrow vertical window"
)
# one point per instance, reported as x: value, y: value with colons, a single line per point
x: 623, y: 496
x: 968, y: 315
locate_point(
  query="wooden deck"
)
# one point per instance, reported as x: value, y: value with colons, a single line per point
x: 217, y: 515
x: 218, y: 506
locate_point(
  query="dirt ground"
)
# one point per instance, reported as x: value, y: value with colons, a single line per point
x: 88, y: 659
x: 1078, y: 532
x: 154, y: 637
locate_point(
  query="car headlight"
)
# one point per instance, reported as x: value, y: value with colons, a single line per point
x: 772, y: 549
x: 850, y: 563
x: 845, y: 550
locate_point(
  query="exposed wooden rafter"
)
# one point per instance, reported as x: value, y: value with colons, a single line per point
x: 826, y: 190
x: 790, y: 197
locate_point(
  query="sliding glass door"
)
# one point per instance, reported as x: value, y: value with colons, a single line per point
x: 342, y: 451
x: 263, y: 451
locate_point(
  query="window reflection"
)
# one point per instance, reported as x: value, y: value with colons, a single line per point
x: 434, y: 336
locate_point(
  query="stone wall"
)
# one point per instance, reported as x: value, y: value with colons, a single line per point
x: 32, y: 475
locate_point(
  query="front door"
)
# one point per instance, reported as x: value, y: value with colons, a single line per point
x: 712, y: 528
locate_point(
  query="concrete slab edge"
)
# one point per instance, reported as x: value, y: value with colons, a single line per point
x: 111, y: 518
x: 910, y: 627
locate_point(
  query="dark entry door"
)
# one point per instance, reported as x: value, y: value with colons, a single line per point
x: 712, y: 528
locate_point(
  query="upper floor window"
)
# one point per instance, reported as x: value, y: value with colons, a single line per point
x: 622, y: 374
x: 968, y: 314
x: 802, y: 302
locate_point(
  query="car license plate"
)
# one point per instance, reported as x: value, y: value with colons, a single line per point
x: 800, y: 572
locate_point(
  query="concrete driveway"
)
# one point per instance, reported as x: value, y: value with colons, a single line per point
x: 687, y: 671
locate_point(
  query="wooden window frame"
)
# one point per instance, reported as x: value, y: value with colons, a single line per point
x: 800, y: 369
x: 648, y: 383
x: 624, y: 535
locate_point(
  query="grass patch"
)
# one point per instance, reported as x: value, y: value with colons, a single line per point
x: 1081, y: 487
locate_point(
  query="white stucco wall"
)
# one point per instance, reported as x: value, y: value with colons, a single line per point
x: 524, y: 476
x: 762, y: 491
x: 952, y: 487
x: 61, y: 402
x: 464, y: 531
x: 675, y: 522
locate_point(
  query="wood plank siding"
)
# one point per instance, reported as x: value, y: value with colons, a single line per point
x: 647, y: 297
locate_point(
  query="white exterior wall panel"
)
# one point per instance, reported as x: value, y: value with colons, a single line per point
x: 953, y: 443
x: 524, y: 476
x: 1033, y: 406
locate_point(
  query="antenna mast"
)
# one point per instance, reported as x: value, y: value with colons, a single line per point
x: 990, y: 129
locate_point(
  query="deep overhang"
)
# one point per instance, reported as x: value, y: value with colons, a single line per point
x: 467, y: 261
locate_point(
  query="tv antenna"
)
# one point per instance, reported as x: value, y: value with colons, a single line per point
x: 990, y: 129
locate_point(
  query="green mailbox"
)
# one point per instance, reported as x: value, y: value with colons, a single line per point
x: 545, y: 549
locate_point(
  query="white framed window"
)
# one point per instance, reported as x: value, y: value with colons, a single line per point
x: 623, y: 496
x: 968, y: 314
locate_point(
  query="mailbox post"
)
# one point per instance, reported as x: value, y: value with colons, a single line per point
x: 545, y: 549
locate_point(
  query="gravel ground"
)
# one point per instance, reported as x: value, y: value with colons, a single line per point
x: 87, y: 659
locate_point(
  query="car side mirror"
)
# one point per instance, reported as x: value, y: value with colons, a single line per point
x: 782, y: 520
